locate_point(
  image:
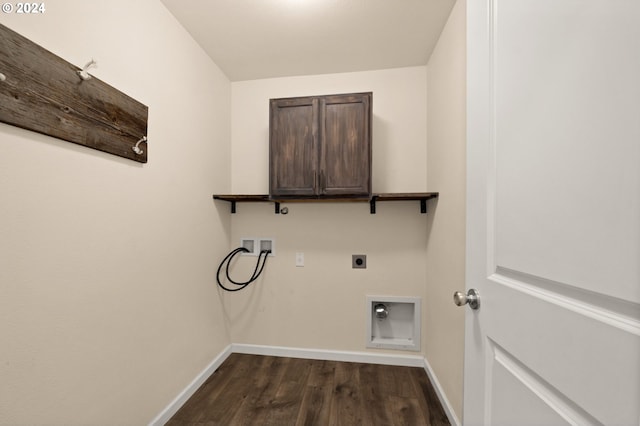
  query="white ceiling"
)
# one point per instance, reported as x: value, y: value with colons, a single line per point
x: 254, y: 39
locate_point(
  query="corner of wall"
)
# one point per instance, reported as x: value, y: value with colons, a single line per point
x: 446, y: 165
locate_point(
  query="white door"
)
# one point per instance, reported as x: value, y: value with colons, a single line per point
x: 553, y: 212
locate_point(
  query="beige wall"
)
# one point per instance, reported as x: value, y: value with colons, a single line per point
x: 108, y: 306
x: 322, y: 305
x: 444, y: 322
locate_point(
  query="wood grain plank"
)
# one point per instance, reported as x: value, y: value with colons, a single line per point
x: 315, y: 407
x: 428, y: 399
x: 405, y: 411
x: 266, y: 381
x: 44, y: 93
x: 284, y: 407
x: 347, y: 405
x: 202, y: 405
x: 374, y: 393
x: 402, y: 379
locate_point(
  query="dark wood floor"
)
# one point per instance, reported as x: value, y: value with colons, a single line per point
x: 266, y: 390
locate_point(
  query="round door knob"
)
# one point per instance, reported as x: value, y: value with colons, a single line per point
x: 472, y: 298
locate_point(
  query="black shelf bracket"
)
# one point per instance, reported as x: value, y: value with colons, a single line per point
x: 233, y: 206
x: 374, y: 199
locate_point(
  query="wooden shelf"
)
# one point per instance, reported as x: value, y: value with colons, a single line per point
x: 422, y: 197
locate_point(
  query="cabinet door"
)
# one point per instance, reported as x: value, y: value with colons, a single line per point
x: 345, y: 147
x: 293, y: 139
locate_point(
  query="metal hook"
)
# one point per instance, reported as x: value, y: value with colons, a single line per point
x: 137, y: 148
x: 83, y: 72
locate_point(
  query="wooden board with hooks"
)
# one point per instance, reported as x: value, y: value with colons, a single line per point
x: 46, y: 94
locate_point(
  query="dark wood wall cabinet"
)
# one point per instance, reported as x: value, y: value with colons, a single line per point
x: 320, y: 146
x: 320, y: 150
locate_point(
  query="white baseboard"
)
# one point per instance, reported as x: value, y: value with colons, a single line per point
x: 345, y: 356
x: 173, y: 407
x: 448, y: 409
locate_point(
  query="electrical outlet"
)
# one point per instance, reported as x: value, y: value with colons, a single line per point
x: 299, y: 259
x: 359, y: 261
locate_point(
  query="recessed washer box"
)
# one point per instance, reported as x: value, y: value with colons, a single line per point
x: 256, y: 245
x: 250, y: 244
x: 393, y: 322
x: 267, y: 244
